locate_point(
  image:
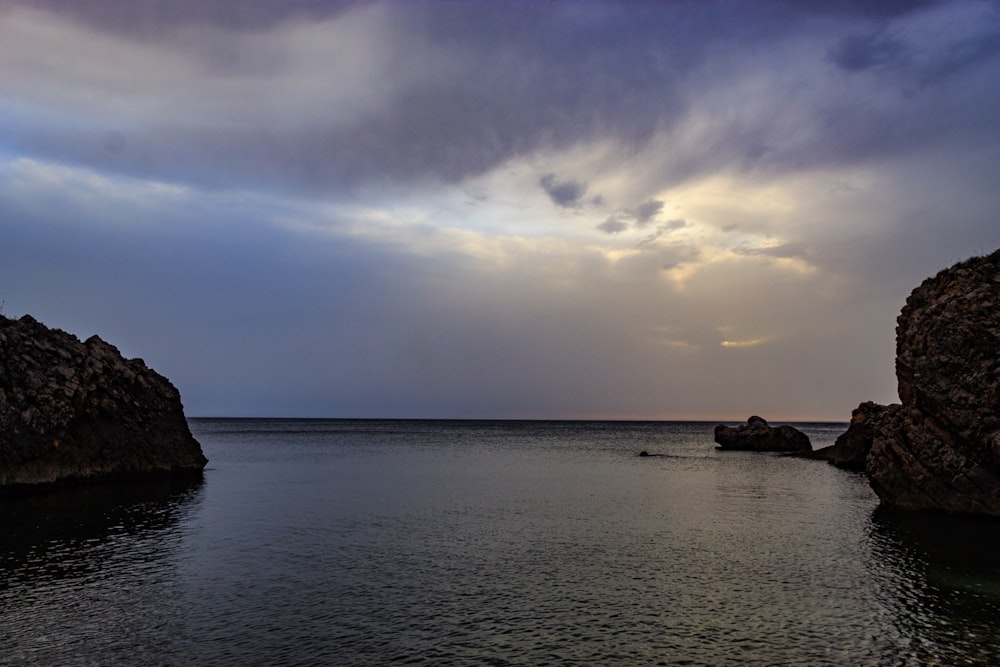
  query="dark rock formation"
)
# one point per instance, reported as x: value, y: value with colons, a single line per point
x: 850, y: 451
x: 757, y: 436
x: 941, y: 448
x: 72, y: 411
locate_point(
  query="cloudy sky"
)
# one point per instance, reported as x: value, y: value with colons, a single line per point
x: 673, y: 210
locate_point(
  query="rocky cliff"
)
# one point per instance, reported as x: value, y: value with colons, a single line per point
x: 941, y: 448
x: 72, y: 410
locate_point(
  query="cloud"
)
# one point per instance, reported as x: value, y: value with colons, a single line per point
x: 338, y: 98
x: 788, y: 250
x: 644, y: 213
x: 963, y: 55
x: 886, y: 9
x: 434, y: 322
x: 566, y: 193
x: 664, y: 228
x: 613, y: 225
x: 856, y: 53
x: 639, y: 217
x: 153, y: 19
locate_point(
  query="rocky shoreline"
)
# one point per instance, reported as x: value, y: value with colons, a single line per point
x: 939, y: 448
x: 73, y: 411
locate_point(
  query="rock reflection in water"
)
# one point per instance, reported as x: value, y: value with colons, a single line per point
x: 943, y: 578
x: 79, y: 565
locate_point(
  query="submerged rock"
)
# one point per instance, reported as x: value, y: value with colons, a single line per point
x: 941, y: 448
x: 756, y: 435
x: 72, y: 410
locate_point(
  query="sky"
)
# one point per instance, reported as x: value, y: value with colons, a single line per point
x: 535, y: 210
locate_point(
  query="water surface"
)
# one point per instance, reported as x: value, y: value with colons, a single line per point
x: 340, y: 542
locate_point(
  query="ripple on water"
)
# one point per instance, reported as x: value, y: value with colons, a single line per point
x: 493, y: 544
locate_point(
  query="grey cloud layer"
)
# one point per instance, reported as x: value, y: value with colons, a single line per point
x: 444, y: 91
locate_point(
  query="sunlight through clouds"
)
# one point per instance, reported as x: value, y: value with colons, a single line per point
x: 559, y: 208
x: 744, y: 343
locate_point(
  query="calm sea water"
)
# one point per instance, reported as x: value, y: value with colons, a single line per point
x: 328, y: 542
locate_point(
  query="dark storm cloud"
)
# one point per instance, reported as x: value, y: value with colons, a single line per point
x: 444, y: 91
x: 157, y: 17
x: 855, y: 53
x: 505, y: 81
x: 859, y: 52
x: 567, y: 193
x: 880, y: 9
x: 963, y: 55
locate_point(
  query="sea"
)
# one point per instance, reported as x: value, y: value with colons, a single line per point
x: 358, y: 542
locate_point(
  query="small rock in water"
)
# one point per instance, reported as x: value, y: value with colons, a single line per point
x: 757, y: 436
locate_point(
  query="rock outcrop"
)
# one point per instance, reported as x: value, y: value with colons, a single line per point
x: 72, y: 410
x: 756, y: 435
x: 941, y: 449
x: 851, y: 449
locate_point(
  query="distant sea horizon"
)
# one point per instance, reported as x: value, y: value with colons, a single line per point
x: 666, y: 420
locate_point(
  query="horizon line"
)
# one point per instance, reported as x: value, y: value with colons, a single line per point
x: 700, y: 420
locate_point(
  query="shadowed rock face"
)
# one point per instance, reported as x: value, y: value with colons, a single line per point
x: 756, y: 435
x: 851, y: 449
x: 72, y: 410
x: 941, y: 449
